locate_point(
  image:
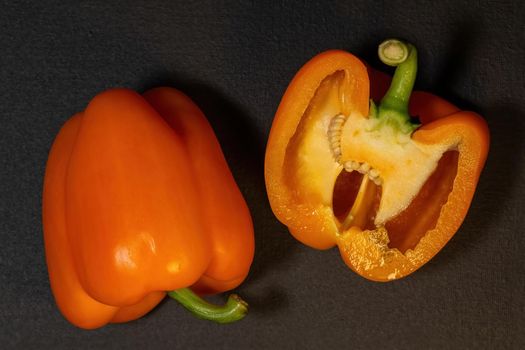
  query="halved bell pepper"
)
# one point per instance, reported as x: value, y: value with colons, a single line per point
x: 139, y: 201
x: 388, y: 189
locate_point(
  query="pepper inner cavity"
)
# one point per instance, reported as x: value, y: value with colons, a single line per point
x: 404, y: 232
x: 355, y: 200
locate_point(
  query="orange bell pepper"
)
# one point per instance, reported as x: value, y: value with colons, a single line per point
x: 389, y: 190
x: 138, y: 200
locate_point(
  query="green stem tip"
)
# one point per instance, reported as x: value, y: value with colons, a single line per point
x: 392, y: 52
x: 234, y: 309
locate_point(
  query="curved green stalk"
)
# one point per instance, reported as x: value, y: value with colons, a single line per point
x: 234, y: 309
x: 393, y: 109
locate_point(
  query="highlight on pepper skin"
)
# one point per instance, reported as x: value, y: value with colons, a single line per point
x: 131, y: 212
x: 387, y: 188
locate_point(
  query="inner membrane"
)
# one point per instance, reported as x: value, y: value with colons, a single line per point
x: 355, y: 200
x: 356, y: 204
x: 406, y: 229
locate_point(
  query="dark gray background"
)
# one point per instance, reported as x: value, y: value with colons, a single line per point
x: 235, y: 60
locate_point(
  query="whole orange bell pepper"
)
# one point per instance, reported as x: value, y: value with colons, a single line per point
x: 388, y: 189
x: 139, y: 201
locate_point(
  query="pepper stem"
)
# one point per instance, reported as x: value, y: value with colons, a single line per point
x: 234, y: 309
x: 393, y: 109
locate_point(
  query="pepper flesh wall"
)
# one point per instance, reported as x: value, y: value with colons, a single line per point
x: 340, y: 173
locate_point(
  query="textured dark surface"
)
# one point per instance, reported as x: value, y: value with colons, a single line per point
x: 235, y: 60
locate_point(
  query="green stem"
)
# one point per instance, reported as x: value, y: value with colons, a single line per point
x: 234, y: 309
x: 393, y: 108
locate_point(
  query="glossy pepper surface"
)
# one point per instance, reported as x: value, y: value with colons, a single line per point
x: 139, y: 201
x: 388, y: 189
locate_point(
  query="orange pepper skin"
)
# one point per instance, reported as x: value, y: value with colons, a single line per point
x: 138, y: 200
x: 311, y: 222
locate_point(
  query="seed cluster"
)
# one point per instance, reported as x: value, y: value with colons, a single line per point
x: 335, y: 130
x: 365, y: 169
x: 334, y: 134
